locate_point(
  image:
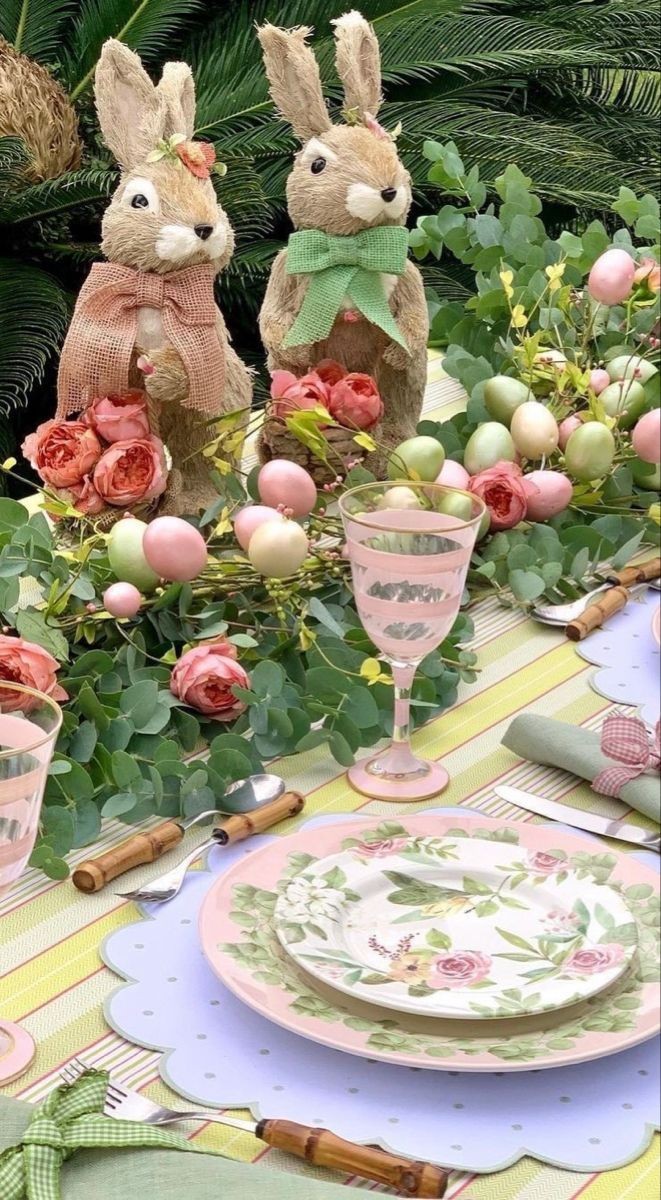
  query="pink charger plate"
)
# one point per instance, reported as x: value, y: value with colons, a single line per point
x: 656, y: 626
x: 241, y: 946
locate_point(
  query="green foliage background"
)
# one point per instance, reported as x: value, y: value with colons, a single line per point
x: 568, y: 90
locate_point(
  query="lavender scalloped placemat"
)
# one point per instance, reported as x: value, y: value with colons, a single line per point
x: 630, y: 660
x: 219, y: 1053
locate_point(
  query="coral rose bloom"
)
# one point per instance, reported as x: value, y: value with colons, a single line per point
x: 503, y: 493
x: 119, y: 418
x: 289, y: 393
x: 649, y: 271
x: 459, y: 968
x: 355, y: 401
x: 30, y: 665
x: 382, y: 849
x: 199, y: 157
x: 131, y: 471
x: 85, y: 497
x: 203, y: 679
x: 62, y: 452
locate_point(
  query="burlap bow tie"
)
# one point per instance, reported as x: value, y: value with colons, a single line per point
x: 625, y: 739
x: 345, y: 266
x: 101, y: 343
x: 71, y: 1118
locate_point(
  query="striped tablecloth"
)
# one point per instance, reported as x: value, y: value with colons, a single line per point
x: 54, y: 983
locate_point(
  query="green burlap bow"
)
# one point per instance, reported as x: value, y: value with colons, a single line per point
x: 345, y: 266
x: 71, y: 1118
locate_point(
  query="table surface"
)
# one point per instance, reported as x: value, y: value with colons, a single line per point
x: 53, y: 981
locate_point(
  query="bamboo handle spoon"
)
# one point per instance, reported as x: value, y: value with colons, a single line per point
x: 612, y: 600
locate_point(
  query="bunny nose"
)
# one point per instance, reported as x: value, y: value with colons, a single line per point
x: 203, y: 231
x: 389, y: 194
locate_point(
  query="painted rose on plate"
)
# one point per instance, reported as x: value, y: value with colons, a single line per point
x: 459, y: 968
x: 591, y: 960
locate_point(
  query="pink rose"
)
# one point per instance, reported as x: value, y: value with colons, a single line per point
x: 593, y: 959
x: 329, y: 371
x: 355, y: 401
x: 544, y: 864
x: 62, y: 452
x: 459, y: 968
x: 203, y: 679
x: 290, y: 393
x: 379, y: 849
x: 30, y: 665
x: 649, y: 271
x: 131, y: 471
x: 502, y: 490
x: 84, y: 497
x: 119, y: 418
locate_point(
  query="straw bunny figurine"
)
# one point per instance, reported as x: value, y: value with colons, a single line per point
x: 344, y: 288
x: 165, y: 238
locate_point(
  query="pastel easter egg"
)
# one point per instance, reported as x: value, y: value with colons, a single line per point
x: 122, y: 600
x: 589, y: 452
x: 174, y: 549
x: 625, y: 399
x: 566, y: 428
x: 456, y: 504
x: 631, y: 366
x: 250, y: 518
x: 599, y: 379
x: 278, y: 548
x: 285, y: 483
x: 417, y: 458
x: 534, y: 430
x: 646, y: 437
x: 490, y: 443
x: 126, y: 554
x: 611, y: 279
x: 548, y: 493
x: 399, y: 498
x: 503, y: 395
x: 452, y: 474
x: 646, y: 475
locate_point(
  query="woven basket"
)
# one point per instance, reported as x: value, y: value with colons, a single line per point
x: 275, y: 441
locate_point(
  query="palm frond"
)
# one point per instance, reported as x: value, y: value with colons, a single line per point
x: 14, y: 158
x: 148, y: 26
x: 34, y: 27
x: 53, y: 196
x: 33, y: 318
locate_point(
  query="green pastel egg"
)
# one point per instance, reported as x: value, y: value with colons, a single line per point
x: 630, y: 366
x: 503, y: 395
x: 456, y: 504
x: 589, y: 452
x: 625, y: 399
x: 417, y: 458
x: 489, y: 444
x: 646, y: 475
x: 126, y: 555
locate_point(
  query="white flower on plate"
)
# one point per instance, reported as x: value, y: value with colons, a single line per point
x: 309, y: 900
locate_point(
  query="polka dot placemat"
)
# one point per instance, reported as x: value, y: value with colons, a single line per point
x: 219, y: 1053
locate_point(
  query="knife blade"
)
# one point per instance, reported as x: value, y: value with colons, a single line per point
x: 589, y: 821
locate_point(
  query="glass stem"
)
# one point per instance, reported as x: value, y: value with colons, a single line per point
x: 403, y: 676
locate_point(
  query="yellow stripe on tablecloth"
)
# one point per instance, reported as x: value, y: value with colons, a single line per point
x: 641, y: 1180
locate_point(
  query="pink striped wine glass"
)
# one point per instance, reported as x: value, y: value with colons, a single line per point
x: 409, y: 545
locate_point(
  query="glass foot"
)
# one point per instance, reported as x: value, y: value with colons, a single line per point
x: 17, y: 1050
x: 397, y: 775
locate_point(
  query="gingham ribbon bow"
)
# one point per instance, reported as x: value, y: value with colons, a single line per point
x: 71, y: 1118
x: 626, y: 740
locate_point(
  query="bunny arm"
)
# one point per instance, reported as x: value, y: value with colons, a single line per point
x: 282, y: 302
x: 409, y: 308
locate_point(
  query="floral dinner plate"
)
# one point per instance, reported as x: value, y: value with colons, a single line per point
x: 455, y: 927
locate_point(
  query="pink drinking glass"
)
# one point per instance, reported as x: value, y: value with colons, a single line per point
x: 29, y: 725
x: 410, y: 546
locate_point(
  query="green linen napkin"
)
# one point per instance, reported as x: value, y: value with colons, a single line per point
x: 37, y: 1160
x: 572, y: 748
x: 340, y: 266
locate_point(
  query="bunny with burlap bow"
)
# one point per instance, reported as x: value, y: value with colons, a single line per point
x: 147, y: 316
x: 344, y: 288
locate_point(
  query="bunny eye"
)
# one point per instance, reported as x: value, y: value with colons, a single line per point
x: 317, y: 165
x: 141, y: 194
x: 139, y: 201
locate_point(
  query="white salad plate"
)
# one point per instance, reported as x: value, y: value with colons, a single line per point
x: 454, y: 928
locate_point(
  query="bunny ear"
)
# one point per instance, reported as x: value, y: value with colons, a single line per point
x: 358, y: 63
x: 177, y: 90
x: 130, y: 113
x: 293, y: 74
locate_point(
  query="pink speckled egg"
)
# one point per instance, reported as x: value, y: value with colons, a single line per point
x: 250, y: 518
x: 174, y: 549
x: 599, y: 379
x: 646, y: 437
x: 566, y: 429
x: 122, y: 600
x: 547, y: 492
x: 282, y: 482
x: 453, y: 475
x: 611, y: 279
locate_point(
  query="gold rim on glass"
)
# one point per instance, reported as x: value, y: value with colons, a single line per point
x: 363, y: 518
x: 47, y: 701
